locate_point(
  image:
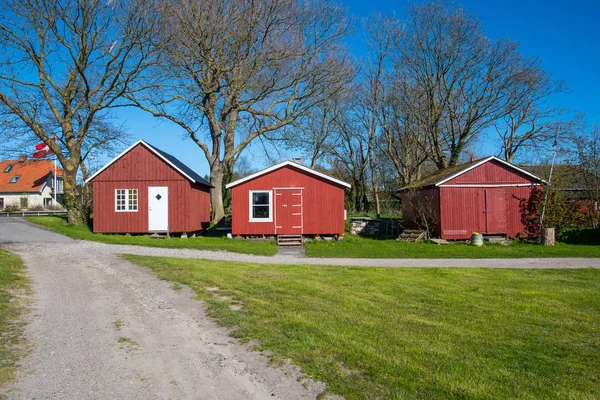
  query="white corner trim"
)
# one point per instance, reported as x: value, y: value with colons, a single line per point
x: 250, y: 219
x: 483, y: 162
x: 127, y: 150
x: 284, y: 164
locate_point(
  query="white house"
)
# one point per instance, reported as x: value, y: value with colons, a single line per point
x: 29, y: 183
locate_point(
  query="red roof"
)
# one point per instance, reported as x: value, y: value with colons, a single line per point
x: 32, y: 175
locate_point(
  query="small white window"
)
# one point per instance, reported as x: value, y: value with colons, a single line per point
x: 260, y: 206
x: 15, y: 179
x: 126, y: 200
x: 8, y: 168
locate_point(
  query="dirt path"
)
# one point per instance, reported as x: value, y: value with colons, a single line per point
x: 103, y: 328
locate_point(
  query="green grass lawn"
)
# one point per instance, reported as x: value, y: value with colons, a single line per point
x: 358, y: 247
x: 83, y: 232
x: 402, y: 333
x: 12, y: 283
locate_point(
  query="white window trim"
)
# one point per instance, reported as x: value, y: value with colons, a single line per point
x: 127, y: 194
x: 250, y: 195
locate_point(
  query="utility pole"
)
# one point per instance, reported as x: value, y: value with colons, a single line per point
x: 554, y: 145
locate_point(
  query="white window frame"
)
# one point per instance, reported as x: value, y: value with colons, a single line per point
x: 128, y: 196
x: 251, y: 206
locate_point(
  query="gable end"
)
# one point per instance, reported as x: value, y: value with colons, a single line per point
x: 165, y: 158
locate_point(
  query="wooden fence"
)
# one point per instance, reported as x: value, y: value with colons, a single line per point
x: 31, y: 213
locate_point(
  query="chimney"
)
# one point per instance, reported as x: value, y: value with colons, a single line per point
x: 297, y: 160
x: 22, y: 158
x: 473, y: 159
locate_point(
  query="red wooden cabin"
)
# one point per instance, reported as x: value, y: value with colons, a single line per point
x: 288, y: 199
x: 145, y: 190
x: 481, y: 196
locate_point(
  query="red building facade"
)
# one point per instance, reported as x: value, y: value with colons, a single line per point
x: 288, y: 199
x: 483, y: 196
x: 147, y: 190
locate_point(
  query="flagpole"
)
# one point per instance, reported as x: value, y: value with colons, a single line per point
x: 55, y: 181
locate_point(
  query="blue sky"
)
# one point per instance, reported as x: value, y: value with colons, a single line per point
x: 564, y: 35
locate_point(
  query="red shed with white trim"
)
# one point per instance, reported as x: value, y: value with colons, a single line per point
x: 481, y: 196
x: 144, y: 190
x: 288, y: 199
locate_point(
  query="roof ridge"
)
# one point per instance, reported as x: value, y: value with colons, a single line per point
x: 284, y: 164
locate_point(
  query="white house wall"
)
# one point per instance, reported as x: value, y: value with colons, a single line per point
x: 33, y: 199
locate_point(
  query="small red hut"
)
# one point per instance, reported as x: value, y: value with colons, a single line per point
x: 288, y: 199
x: 481, y: 196
x: 145, y: 190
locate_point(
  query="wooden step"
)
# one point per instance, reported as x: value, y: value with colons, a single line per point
x: 494, y: 239
x: 289, y: 240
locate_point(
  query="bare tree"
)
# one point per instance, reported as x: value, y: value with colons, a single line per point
x: 403, y: 140
x: 532, y: 122
x: 381, y: 35
x: 420, y: 208
x: 235, y: 71
x: 459, y: 80
x: 64, y: 65
x: 349, y: 148
x: 312, y: 134
x: 585, y: 153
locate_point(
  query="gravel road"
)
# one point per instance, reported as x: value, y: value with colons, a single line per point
x: 535, y: 263
x: 103, y: 328
x: 15, y: 229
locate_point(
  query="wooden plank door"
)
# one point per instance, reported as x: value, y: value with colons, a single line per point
x: 496, y: 212
x: 288, y: 211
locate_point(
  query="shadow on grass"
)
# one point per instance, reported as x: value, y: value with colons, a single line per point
x: 587, y: 236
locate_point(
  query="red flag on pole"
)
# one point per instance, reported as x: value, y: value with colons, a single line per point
x: 42, y: 149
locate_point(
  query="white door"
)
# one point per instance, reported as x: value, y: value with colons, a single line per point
x: 158, y: 208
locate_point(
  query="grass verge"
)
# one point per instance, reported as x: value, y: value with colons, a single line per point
x: 83, y: 232
x: 398, y: 333
x: 13, y: 284
x: 358, y: 247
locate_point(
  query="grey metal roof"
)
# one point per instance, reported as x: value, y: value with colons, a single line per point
x: 187, y: 170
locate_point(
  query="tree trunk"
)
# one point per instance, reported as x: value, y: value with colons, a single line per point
x: 365, y: 200
x: 72, y: 202
x: 216, y: 193
x: 355, y: 195
x: 548, y: 237
x: 374, y: 183
x: 87, y: 196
